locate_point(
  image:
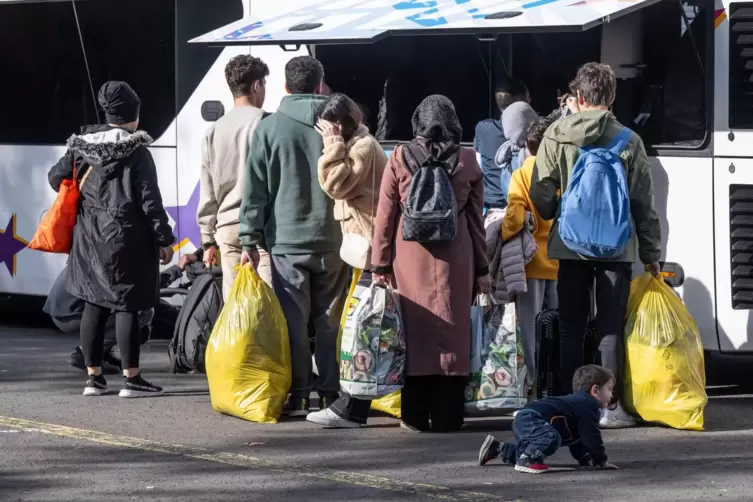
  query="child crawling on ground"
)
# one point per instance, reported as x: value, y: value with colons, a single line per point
x: 544, y: 425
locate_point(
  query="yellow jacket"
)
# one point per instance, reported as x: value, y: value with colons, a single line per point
x: 518, y: 202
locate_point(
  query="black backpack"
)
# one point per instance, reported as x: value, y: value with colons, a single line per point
x: 430, y: 211
x: 197, y: 316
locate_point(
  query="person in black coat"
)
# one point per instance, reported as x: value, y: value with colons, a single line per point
x: 121, y: 233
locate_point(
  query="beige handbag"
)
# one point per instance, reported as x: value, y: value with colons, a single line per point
x: 356, y: 249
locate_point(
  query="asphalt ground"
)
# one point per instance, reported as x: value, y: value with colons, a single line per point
x: 58, y: 445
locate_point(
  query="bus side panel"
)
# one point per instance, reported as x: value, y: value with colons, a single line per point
x: 683, y: 199
x: 733, y: 189
x: 25, y: 195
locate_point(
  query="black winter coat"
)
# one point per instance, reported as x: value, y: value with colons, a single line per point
x: 121, y: 223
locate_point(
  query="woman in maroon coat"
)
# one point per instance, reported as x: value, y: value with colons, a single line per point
x: 435, y: 280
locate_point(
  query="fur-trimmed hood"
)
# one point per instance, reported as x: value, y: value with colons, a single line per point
x: 104, y: 146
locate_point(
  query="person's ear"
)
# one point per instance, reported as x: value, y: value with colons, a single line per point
x: 319, y: 88
x: 594, y: 390
x: 581, y: 101
x: 286, y: 89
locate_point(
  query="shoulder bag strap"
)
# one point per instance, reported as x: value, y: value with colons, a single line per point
x: 83, y: 179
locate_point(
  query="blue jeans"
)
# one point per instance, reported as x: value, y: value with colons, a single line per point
x: 536, y: 438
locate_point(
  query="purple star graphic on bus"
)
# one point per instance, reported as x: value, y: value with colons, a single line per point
x: 10, y: 245
x: 186, y: 226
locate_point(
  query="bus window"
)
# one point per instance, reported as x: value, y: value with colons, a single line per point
x: 46, y: 94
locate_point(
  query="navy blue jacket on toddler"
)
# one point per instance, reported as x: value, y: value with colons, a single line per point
x: 543, y: 426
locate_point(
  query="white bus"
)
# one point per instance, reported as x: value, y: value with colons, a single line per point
x: 685, y: 70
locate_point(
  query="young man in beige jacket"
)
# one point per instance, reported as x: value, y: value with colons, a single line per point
x: 225, y: 151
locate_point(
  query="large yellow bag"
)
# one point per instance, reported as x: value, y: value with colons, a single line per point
x: 665, y: 380
x: 391, y: 403
x: 248, y: 357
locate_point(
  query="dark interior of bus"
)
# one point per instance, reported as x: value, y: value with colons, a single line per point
x: 56, y: 55
x: 666, y: 102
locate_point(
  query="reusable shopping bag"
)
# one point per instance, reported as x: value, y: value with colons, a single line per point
x: 55, y: 232
x: 248, y: 357
x: 664, y: 379
x: 372, y: 349
x: 498, y: 371
x: 391, y: 403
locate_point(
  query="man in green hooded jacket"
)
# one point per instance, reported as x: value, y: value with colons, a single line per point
x: 285, y: 211
x: 592, y: 124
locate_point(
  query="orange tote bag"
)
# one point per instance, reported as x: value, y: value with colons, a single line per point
x: 55, y: 232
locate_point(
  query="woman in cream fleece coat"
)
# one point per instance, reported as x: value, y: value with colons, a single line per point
x: 350, y: 172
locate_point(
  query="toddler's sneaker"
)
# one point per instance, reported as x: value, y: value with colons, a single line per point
x: 328, y: 418
x: 616, y: 419
x: 530, y: 466
x: 138, y: 387
x: 96, y: 386
x: 489, y: 450
x: 296, y: 407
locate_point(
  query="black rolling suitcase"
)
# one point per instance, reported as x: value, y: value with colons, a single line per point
x: 548, y: 351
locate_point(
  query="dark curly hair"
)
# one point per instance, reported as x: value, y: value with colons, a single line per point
x: 596, y: 84
x: 535, y: 134
x: 303, y: 74
x: 242, y: 71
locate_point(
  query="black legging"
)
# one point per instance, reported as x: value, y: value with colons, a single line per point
x: 93, y: 322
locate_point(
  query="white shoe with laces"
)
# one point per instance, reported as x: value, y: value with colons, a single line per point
x: 616, y: 419
x: 328, y: 418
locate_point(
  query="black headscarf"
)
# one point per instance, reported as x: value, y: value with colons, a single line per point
x: 437, y: 133
x: 120, y: 103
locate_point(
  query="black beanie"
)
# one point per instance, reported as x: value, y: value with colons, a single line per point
x: 120, y: 103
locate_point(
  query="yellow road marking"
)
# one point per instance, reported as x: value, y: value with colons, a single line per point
x: 237, y: 459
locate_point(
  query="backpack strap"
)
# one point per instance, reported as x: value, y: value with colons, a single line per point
x: 620, y: 142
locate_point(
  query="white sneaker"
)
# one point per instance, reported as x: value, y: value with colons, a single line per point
x: 327, y: 418
x: 616, y: 419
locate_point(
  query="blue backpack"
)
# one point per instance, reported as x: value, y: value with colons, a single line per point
x: 595, y: 212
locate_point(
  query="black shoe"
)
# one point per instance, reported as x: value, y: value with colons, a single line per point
x: 138, y: 387
x: 327, y: 401
x: 296, y: 407
x: 489, y: 450
x: 96, y: 386
x: 110, y: 364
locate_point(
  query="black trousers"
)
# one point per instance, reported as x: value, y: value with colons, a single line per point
x: 434, y: 402
x: 611, y: 281
x: 127, y: 332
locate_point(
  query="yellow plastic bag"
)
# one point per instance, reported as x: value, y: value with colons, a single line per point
x: 665, y: 380
x: 389, y: 404
x: 248, y: 357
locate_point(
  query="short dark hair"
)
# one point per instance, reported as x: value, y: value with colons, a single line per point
x: 595, y: 83
x: 340, y: 108
x: 510, y: 91
x: 303, y: 74
x: 242, y: 71
x: 589, y: 375
x: 535, y: 134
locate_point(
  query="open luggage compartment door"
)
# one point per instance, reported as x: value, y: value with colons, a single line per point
x: 364, y: 21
